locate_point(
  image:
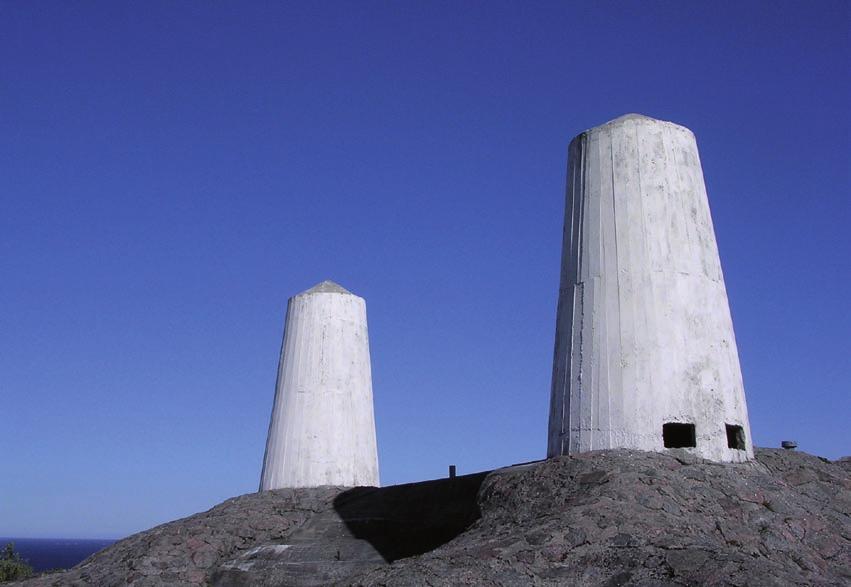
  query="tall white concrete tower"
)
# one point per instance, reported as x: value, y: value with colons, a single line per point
x: 645, y: 356
x: 322, y: 430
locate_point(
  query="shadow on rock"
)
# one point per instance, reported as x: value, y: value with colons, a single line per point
x: 365, y: 529
x: 407, y: 520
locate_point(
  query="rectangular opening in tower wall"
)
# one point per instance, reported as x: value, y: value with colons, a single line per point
x: 735, y: 437
x: 678, y: 435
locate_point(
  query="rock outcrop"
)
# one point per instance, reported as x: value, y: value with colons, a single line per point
x: 601, y: 518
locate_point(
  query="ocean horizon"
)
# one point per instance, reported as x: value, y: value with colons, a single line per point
x: 45, y: 554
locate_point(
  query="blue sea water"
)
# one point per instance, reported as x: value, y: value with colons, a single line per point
x: 55, y: 553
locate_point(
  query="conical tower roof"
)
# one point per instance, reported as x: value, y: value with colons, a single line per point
x: 326, y: 286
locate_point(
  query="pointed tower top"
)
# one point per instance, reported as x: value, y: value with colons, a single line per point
x: 326, y: 286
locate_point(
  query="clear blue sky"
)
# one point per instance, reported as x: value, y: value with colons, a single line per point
x: 171, y: 172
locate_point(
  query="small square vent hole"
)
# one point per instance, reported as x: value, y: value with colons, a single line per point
x: 678, y: 435
x: 735, y: 437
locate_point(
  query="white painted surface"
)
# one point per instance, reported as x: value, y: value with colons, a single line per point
x: 322, y: 430
x: 644, y: 334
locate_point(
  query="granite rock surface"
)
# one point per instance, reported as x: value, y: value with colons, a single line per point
x: 601, y: 518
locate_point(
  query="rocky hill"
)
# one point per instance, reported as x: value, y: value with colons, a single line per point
x: 602, y: 518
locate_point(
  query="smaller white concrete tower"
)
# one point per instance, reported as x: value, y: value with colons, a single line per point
x: 322, y: 430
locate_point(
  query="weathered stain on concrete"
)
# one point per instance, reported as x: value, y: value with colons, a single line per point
x: 644, y: 335
x: 322, y: 430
